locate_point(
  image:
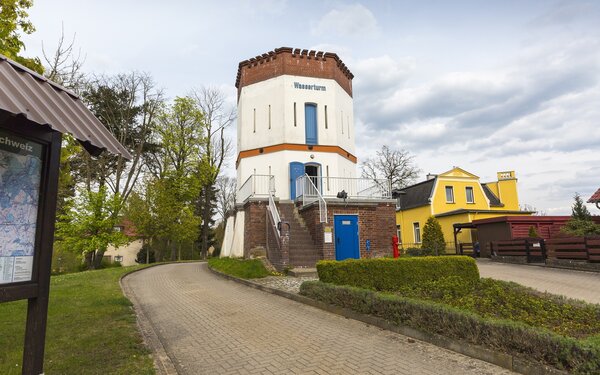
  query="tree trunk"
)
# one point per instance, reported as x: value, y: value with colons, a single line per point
x: 98, y: 258
x: 205, y: 221
x: 173, y: 250
x: 89, y: 260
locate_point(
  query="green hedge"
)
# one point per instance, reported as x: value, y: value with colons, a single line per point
x: 243, y: 268
x: 393, y: 274
x: 510, y: 337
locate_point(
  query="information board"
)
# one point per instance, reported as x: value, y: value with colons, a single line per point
x: 20, y: 175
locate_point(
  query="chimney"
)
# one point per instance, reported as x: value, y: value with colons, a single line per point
x: 431, y: 176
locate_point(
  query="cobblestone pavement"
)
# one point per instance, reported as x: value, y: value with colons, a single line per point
x: 286, y: 283
x: 570, y: 283
x: 209, y: 325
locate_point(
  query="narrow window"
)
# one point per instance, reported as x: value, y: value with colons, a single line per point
x: 469, y: 191
x: 310, y: 119
x: 326, y: 124
x: 342, y: 121
x: 295, y: 118
x: 449, y: 194
x: 417, y: 230
x: 327, y: 172
x: 348, y: 127
x: 254, y: 120
x: 399, y: 233
x: 269, y: 117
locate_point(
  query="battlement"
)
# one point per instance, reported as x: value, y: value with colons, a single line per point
x: 298, y: 62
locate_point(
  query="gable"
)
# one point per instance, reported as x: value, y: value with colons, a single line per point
x: 457, y: 172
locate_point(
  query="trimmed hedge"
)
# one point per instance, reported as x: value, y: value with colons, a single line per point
x: 387, y: 274
x: 243, y: 268
x: 580, y: 357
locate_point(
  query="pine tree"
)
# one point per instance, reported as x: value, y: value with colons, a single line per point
x: 581, y: 223
x: 433, y: 237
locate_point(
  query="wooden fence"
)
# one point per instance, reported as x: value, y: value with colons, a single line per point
x: 574, y: 248
x: 532, y: 249
x: 537, y: 249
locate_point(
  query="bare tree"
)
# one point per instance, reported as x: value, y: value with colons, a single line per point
x: 64, y: 65
x: 217, y: 117
x: 226, y: 191
x: 397, y: 166
x: 128, y: 105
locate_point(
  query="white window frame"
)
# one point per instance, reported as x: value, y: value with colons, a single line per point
x: 467, y: 189
x: 417, y: 232
x: 451, y: 189
x: 399, y: 233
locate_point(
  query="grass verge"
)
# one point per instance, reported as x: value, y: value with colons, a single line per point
x: 242, y: 268
x: 91, y: 328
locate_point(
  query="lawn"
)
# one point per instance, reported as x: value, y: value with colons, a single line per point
x: 91, y: 328
x: 242, y: 268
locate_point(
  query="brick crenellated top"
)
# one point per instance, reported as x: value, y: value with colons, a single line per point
x: 286, y: 60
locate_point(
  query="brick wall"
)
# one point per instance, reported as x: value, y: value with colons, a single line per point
x: 255, y: 225
x: 376, y: 221
x: 296, y: 62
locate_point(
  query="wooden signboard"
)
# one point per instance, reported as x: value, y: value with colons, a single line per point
x: 29, y: 163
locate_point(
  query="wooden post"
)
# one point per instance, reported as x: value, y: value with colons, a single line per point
x: 543, y: 249
x: 587, y: 250
x: 527, y: 251
x: 37, y: 308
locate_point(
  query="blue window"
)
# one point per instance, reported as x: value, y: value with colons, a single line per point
x: 310, y: 118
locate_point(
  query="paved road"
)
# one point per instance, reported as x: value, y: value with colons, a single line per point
x: 208, y: 325
x: 570, y: 283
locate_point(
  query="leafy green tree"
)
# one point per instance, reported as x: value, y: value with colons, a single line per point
x: 581, y: 223
x: 13, y: 23
x: 88, y: 225
x: 433, y: 237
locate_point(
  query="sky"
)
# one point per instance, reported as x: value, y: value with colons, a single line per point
x: 487, y: 86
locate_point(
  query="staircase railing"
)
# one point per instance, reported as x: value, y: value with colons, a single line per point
x: 274, y: 213
x: 306, y: 188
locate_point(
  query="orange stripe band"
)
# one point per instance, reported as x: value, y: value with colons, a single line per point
x: 295, y: 147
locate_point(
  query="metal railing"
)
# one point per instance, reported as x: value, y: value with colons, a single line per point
x: 307, y: 189
x: 274, y: 214
x: 356, y: 188
x: 257, y: 185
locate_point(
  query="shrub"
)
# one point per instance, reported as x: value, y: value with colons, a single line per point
x: 243, y: 268
x: 433, y: 237
x: 511, y: 337
x: 533, y: 232
x: 394, y: 274
x: 415, y: 252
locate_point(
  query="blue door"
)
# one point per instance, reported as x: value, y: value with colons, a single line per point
x: 346, y: 237
x: 310, y: 118
x: 296, y: 170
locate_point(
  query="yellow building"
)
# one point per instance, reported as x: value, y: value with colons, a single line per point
x: 454, y: 197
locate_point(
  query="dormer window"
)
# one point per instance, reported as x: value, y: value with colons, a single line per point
x: 449, y: 194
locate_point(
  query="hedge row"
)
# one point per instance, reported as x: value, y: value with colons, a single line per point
x: 393, y: 274
x: 510, y: 337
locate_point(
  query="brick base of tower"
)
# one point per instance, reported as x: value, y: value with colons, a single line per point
x: 376, y: 222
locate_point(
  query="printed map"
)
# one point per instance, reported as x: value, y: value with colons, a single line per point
x: 19, y: 194
x: 20, y: 174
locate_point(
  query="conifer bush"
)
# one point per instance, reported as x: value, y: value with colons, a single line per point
x: 433, y: 237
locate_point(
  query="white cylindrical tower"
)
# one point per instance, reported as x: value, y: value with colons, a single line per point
x: 295, y: 117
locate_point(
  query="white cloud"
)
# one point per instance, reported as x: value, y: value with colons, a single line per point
x: 347, y: 20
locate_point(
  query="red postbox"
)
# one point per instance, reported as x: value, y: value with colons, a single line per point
x: 395, y: 246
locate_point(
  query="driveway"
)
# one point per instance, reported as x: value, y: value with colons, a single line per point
x: 570, y: 283
x: 208, y: 325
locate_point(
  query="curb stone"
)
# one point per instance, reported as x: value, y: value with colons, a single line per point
x: 162, y: 362
x: 507, y: 361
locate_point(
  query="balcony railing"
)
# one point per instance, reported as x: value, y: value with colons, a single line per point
x: 356, y: 188
x: 257, y: 185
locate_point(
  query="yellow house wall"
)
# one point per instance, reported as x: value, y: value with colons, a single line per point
x: 447, y: 224
x: 406, y: 219
x: 460, y: 196
x: 508, y: 194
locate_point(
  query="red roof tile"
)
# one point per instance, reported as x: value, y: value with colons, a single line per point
x: 595, y: 198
